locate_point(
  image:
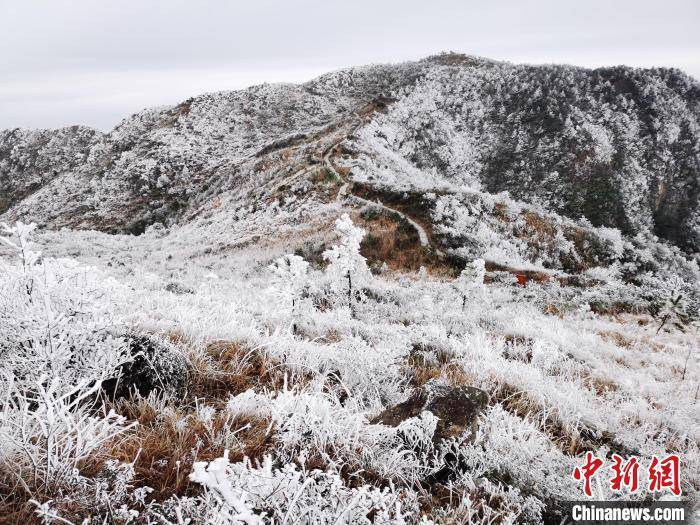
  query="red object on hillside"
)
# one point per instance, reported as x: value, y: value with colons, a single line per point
x: 522, y: 280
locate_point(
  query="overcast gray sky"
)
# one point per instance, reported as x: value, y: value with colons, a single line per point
x: 95, y: 62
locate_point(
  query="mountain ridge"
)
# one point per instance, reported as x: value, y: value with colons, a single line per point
x: 616, y: 145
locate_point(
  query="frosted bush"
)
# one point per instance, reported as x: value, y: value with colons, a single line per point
x: 470, y: 282
x: 60, y: 340
x: 290, y: 281
x: 241, y: 493
x: 509, y: 447
x: 609, y: 274
x: 57, y: 318
x: 46, y: 435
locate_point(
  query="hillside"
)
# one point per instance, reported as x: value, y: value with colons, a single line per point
x: 411, y: 293
x: 618, y: 146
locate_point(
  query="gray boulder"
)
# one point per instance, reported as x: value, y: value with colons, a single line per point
x: 457, y: 409
x: 156, y: 366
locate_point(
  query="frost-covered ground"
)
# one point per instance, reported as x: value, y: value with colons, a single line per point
x: 226, y: 347
x: 286, y: 369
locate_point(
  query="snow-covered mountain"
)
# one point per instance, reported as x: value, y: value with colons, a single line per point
x: 411, y: 294
x: 619, y: 146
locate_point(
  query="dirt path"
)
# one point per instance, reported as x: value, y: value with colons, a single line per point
x: 343, y: 194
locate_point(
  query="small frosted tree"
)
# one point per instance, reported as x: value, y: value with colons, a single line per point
x: 290, y: 281
x: 18, y: 240
x: 672, y: 313
x: 471, y: 281
x: 346, y: 265
x: 668, y: 305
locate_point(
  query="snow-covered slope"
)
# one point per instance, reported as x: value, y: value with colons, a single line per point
x: 30, y: 160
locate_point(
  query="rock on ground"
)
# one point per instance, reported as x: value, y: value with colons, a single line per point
x: 156, y: 366
x: 457, y: 409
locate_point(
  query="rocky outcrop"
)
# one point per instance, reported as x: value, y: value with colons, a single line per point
x: 156, y: 366
x: 457, y: 409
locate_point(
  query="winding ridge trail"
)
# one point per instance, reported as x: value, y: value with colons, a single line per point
x: 343, y: 193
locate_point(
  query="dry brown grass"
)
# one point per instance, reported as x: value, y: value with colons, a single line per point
x: 456, y: 375
x: 420, y: 371
x: 410, y: 203
x: 322, y: 175
x: 392, y: 240
x: 538, y: 225
x: 500, y: 210
x: 170, y: 438
x: 441, y: 503
x: 332, y: 336
x: 15, y: 497
x: 616, y: 338
x: 570, y: 441
x: 378, y: 105
x: 15, y: 508
x: 553, y: 310
x: 522, y: 404
x: 615, y: 309
x: 170, y: 435
x: 518, y: 348
x: 228, y: 368
x: 600, y: 385
x: 420, y: 375
x: 164, y: 448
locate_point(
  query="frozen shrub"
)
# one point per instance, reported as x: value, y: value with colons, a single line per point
x: 290, y: 281
x: 470, y: 282
x: 241, y: 493
x: 57, y: 319
x: 509, y: 448
x: 47, y: 434
x: 671, y: 309
x: 347, y: 267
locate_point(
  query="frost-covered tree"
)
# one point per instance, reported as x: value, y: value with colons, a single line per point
x: 347, y: 266
x: 290, y: 280
x: 672, y: 312
x: 471, y: 280
x: 18, y: 239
